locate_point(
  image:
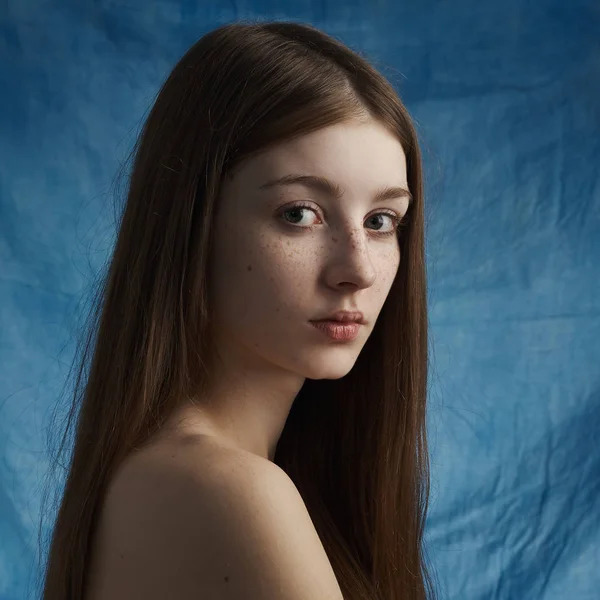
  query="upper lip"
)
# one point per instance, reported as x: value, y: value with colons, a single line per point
x: 345, y: 316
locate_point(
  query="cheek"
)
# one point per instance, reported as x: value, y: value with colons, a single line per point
x: 264, y: 273
x: 387, y: 263
x: 283, y: 269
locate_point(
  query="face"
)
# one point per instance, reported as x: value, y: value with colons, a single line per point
x: 286, y: 254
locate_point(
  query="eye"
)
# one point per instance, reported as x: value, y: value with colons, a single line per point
x: 379, y: 222
x: 299, y: 215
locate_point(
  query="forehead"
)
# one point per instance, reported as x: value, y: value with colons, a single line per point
x: 360, y: 156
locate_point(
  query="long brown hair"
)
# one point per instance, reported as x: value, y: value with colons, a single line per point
x: 355, y: 447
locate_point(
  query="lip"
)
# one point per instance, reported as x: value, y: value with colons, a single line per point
x: 343, y: 316
x: 338, y: 331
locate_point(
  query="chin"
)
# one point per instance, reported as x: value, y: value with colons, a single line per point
x: 330, y: 367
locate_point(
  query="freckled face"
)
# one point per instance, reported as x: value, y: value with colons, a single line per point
x: 287, y: 254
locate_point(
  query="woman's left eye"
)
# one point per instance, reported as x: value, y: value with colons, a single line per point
x: 378, y: 219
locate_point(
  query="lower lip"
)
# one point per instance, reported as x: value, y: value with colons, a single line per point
x: 338, y: 331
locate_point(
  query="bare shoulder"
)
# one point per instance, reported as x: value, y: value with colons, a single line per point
x: 207, y: 522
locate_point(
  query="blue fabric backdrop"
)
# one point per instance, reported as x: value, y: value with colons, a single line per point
x: 506, y: 94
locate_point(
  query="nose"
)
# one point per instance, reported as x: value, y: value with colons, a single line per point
x: 350, y: 261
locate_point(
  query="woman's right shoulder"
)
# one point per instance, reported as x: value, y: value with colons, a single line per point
x: 199, y: 459
x: 205, y: 520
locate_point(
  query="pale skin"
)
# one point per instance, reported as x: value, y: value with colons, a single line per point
x: 202, y: 511
x: 274, y: 273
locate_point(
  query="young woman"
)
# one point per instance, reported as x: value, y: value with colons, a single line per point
x: 252, y: 422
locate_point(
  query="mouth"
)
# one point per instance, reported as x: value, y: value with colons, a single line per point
x: 343, y: 316
x: 338, y: 331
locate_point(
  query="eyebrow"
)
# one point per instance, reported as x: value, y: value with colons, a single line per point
x: 333, y: 189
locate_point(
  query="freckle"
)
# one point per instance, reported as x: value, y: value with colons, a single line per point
x: 249, y: 267
x: 334, y: 239
x: 226, y: 579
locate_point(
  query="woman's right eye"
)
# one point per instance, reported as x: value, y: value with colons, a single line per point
x: 300, y: 216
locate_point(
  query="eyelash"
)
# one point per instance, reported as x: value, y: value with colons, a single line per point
x: 400, y: 221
